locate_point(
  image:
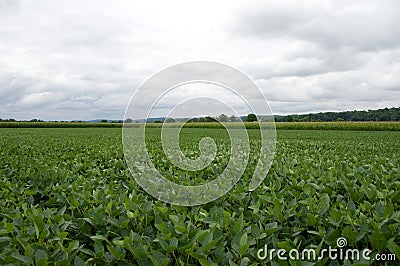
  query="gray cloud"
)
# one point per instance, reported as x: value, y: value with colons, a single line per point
x: 84, y: 59
x: 334, y: 55
x: 363, y: 25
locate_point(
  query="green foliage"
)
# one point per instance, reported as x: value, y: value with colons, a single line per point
x: 67, y: 197
x: 251, y: 118
x: 386, y: 114
x: 223, y: 118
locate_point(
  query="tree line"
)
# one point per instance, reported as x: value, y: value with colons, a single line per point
x: 224, y: 118
x: 386, y: 114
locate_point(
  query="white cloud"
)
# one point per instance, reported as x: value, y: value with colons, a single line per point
x: 38, y: 99
x: 364, y: 25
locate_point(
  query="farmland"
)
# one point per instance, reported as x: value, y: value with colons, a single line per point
x: 67, y: 197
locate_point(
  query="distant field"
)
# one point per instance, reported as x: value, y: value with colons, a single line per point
x: 356, y: 126
x: 67, y: 197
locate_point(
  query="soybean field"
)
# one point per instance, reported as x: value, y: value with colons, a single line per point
x: 67, y: 197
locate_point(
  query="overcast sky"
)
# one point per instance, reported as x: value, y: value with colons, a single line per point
x: 64, y: 60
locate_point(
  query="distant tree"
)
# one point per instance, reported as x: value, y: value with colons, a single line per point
x: 157, y: 121
x: 210, y: 119
x: 289, y: 118
x: 201, y: 119
x: 251, y: 118
x: 395, y: 117
x: 386, y: 114
x: 169, y: 120
x: 222, y: 118
x: 104, y: 121
x: 233, y: 119
x: 384, y: 117
x: 128, y: 120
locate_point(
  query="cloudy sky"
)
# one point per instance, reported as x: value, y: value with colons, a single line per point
x: 64, y: 60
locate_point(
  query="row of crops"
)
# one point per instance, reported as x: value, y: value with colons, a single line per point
x: 355, y: 126
x: 67, y: 197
